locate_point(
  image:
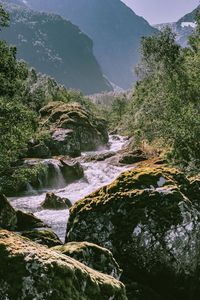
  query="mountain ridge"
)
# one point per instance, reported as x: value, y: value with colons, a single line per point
x: 114, y: 28
x: 56, y: 47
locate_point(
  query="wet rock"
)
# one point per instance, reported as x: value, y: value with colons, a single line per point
x: 31, y: 271
x: 53, y: 201
x: 71, y: 169
x: 8, y: 218
x: 93, y: 256
x: 27, y: 221
x: 99, y: 157
x: 24, y: 178
x: 59, y: 172
x: 149, y: 218
x: 73, y: 129
x: 43, y: 237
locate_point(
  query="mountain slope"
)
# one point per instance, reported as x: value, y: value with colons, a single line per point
x: 114, y: 28
x: 55, y: 47
x: 182, y: 28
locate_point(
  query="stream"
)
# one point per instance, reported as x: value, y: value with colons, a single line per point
x: 96, y: 175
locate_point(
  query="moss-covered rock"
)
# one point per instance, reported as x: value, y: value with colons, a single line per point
x: 149, y: 218
x: 31, y: 271
x: 22, y: 177
x: 73, y: 129
x: 53, y: 201
x: 8, y: 218
x: 93, y: 256
x: 35, y: 174
x: 27, y: 221
x: 43, y: 237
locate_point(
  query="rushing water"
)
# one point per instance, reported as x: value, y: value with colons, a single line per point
x: 96, y: 175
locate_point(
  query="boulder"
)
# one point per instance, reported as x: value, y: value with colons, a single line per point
x: 71, y: 169
x: 98, y: 157
x: 93, y: 256
x: 38, y: 151
x: 59, y: 171
x: 31, y: 271
x: 43, y: 237
x: 149, y: 218
x: 27, y: 221
x: 8, y: 218
x: 53, y: 201
x: 73, y: 129
x: 127, y: 157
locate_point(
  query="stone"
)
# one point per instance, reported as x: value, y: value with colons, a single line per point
x: 149, y: 218
x: 127, y: 157
x: 43, y: 237
x: 93, y: 256
x: 71, y: 169
x: 27, y: 221
x: 73, y: 129
x: 32, y: 271
x: 8, y: 218
x: 38, y: 151
x: 53, y: 201
x: 98, y: 157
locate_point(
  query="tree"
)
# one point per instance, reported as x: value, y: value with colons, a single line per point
x: 165, y: 108
x: 4, y: 17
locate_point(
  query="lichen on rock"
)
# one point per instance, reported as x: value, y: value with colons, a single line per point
x: 149, y: 218
x: 31, y: 271
x: 93, y: 256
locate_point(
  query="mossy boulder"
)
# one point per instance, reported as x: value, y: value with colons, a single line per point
x: 21, y: 178
x: 93, y: 256
x: 73, y: 129
x: 8, y: 218
x: 149, y: 218
x: 53, y: 201
x: 27, y: 221
x: 31, y: 271
x: 43, y: 237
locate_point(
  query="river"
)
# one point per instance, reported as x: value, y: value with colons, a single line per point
x: 96, y: 175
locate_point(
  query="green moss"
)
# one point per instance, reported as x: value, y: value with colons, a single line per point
x: 21, y: 177
x: 31, y: 271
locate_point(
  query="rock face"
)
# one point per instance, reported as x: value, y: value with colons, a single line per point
x: 149, y: 218
x: 31, y: 271
x: 55, y: 202
x: 73, y: 129
x: 8, y: 218
x: 93, y: 256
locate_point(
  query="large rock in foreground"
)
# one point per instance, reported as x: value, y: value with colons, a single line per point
x: 149, y: 218
x: 72, y: 128
x: 31, y: 271
x: 93, y: 256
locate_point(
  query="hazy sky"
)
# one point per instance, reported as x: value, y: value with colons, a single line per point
x: 162, y: 11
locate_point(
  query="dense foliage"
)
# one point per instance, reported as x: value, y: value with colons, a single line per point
x: 165, y: 107
x: 23, y: 92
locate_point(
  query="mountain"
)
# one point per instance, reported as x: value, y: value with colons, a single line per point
x: 182, y: 28
x: 114, y: 28
x: 55, y: 47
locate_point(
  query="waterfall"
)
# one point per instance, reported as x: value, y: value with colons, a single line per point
x: 97, y: 174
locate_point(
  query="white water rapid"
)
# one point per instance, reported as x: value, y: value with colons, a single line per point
x: 96, y: 175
